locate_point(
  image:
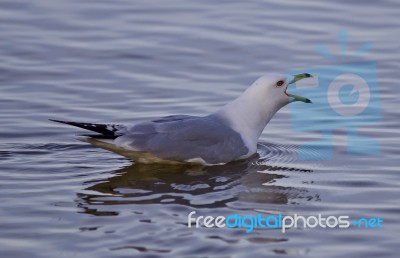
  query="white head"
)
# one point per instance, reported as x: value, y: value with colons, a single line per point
x: 272, y: 88
x: 251, y: 111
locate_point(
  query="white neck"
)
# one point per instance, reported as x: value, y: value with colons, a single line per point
x: 248, y: 115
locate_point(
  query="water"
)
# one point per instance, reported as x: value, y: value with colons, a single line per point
x: 127, y: 61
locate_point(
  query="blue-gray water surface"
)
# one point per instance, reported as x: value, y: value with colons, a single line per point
x: 127, y: 61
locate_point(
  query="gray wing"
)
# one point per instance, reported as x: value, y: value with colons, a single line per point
x: 186, y: 137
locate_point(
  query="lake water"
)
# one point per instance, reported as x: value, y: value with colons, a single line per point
x: 126, y: 61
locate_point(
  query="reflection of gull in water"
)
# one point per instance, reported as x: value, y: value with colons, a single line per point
x: 231, y: 133
x: 197, y: 187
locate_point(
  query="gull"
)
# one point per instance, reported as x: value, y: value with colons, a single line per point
x: 231, y: 133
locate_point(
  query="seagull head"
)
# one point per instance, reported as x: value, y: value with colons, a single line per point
x: 275, y: 86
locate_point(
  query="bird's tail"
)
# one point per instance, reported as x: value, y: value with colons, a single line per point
x: 106, y: 131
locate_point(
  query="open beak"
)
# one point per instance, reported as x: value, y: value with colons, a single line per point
x: 297, y: 78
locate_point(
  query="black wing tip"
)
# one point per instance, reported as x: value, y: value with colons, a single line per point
x: 77, y: 124
x: 70, y: 122
x: 99, y: 136
x: 59, y: 121
x: 107, y: 130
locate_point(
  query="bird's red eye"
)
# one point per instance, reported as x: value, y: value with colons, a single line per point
x: 279, y: 83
